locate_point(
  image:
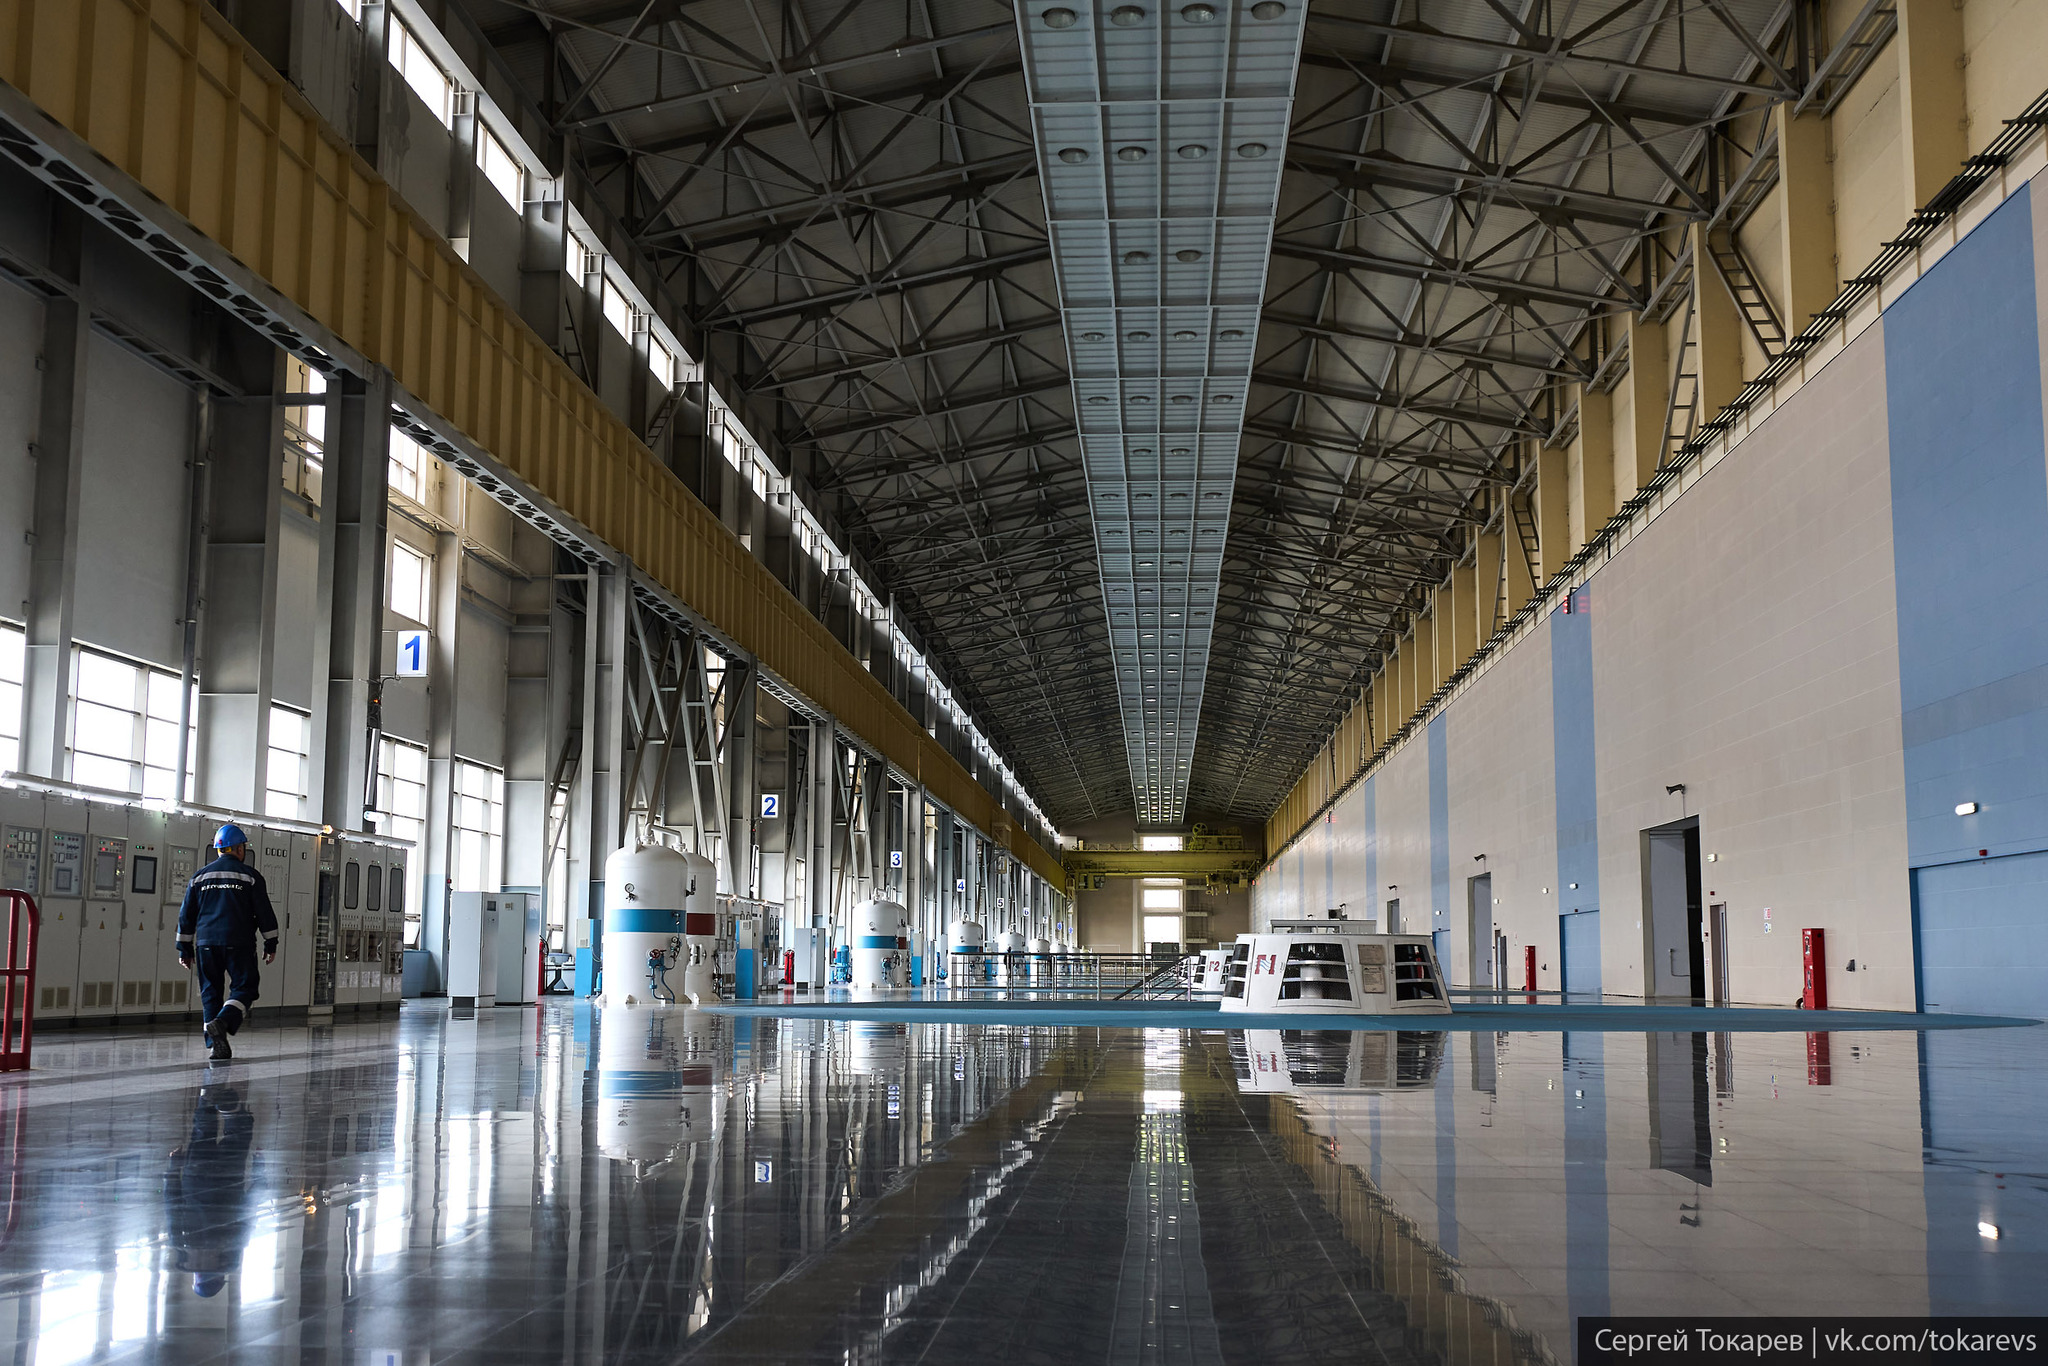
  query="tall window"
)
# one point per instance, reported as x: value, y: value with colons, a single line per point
x: 13, y: 656
x: 412, y: 579
x: 305, y: 430
x: 618, y: 309
x: 288, y: 775
x: 124, y: 725
x: 402, y: 798
x: 411, y: 469
x: 499, y: 166
x: 479, y: 822
x: 662, y: 362
x: 422, y: 73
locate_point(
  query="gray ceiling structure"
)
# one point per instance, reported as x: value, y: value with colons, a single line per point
x: 850, y: 196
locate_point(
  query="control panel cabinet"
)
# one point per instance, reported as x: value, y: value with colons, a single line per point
x: 97, y: 981
x: 177, y: 988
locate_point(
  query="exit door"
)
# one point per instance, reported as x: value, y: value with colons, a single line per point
x: 1674, y: 960
x: 1479, y: 906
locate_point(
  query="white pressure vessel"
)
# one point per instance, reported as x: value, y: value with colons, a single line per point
x: 968, y: 963
x: 1015, y: 970
x: 655, y: 1080
x: 646, y: 896
x: 880, y: 938
x: 700, y: 931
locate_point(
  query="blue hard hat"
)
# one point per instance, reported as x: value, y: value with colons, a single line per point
x: 229, y: 837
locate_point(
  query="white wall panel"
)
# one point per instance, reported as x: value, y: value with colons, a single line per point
x: 131, y: 527
x: 21, y: 332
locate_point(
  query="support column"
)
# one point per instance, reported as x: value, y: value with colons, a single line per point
x: 1462, y: 622
x: 1425, y: 662
x: 1649, y: 393
x: 596, y: 801
x: 437, y: 879
x: 1443, y: 614
x: 1806, y: 219
x: 533, y: 733
x: 1717, y: 328
x: 818, y: 875
x: 741, y: 782
x: 462, y: 173
x: 357, y: 488
x: 1486, y: 596
x: 1931, y: 97
x: 1553, y: 511
x: 1592, y: 490
x: 238, y: 629
x: 60, y: 470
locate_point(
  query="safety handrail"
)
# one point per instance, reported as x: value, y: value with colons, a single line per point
x: 18, y: 975
x: 1175, y: 972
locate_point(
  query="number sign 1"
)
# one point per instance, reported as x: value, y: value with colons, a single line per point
x: 412, y: 654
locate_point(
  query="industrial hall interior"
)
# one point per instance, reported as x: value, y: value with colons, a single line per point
x: 937, y: 681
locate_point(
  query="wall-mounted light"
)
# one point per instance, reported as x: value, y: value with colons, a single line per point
x: 1986, y: 1230
x: 1713, y: 858
x: 1479, y: 858
x: 1392, y: 888
x: 1575, y: 886
x: 1966, y: 808
x: 1673, y: 789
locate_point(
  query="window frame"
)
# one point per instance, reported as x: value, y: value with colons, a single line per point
x: 425, y: 600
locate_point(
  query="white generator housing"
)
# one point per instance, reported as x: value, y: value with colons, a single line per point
x: 646, y: 897
x: 1333, y: 967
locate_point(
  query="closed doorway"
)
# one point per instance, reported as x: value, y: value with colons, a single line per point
x: 1479, y: 906
x: 1578, y: 933
x: 1717, y: 951
x: 1393, y: 916
x: 1674, y: 962
x: 1981, y: 937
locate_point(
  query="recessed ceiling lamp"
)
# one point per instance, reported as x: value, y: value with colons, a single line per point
x: 1265, y: 9
x: 1137, y: 258
x: 1251, y: 151
x: 1232, y: 333
x: 1184, y: 334
x: 1059, y: 17
x: 1130, y: 16
x: 1091, y: 336
x: 1198, y: 14
x: 1187, y: 256
x: 1139, y: 336
x: 1073, y: 156
x: 1193, y: 151
x: 1130, y: 154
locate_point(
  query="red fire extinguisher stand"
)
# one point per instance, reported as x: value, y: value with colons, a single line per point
x: 1815, y: 945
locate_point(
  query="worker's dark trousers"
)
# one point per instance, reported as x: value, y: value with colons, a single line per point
x: 222, y: 965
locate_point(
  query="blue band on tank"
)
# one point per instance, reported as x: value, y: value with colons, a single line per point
x: 877, y: 941
x: 642, y: 920
x: 617, y: 1085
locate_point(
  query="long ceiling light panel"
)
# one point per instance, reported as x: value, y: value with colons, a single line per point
x: 1161, y: 131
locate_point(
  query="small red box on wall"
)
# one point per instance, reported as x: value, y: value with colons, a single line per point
x: 1815, y: 944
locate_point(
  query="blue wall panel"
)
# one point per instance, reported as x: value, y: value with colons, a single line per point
x: 1970, y: 535
x: 1982, y: 930
x: 1578, y: 938
x: 1571, y: 719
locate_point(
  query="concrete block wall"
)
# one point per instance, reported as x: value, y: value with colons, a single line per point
x: 1829, y: 642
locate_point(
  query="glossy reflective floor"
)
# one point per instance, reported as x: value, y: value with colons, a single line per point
x: 634, y: 1185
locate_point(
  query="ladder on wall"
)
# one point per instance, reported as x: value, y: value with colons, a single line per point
x: 663, y: 415
x: 1681, y: 411
x: 1524, y: 520
x: 1749, y: 296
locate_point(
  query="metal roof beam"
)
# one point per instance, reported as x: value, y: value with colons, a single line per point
x: 1557, y: 50
x: 931, y: 350
x: 1403, y: 403
x: 947, y: 407
x: 1360, y: 170
x: 823, y: 305
x: 958, y: 182
x: 1567, y: 367
x: 1507, y: 290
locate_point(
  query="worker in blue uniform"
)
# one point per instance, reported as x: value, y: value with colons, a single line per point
x: 226, y: 905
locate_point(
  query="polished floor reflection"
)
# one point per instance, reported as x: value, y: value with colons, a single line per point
x: 634, y: 1185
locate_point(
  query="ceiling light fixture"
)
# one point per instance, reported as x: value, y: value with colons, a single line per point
x: 1193, y: 151
x: 1130, y: 16
x: 1265, y: 9
x: 1185, y: 334
x: 1251, y: 151
x: 1059, y: 17
x: 1130, y: 154
x: 1198, y: 14
x: 1073, y: 156
x: 1137, y: 258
